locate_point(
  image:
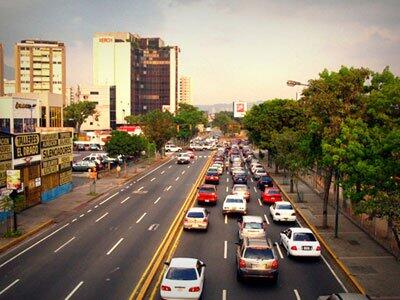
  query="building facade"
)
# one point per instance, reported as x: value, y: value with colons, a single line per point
x: 19, y: 115
x: 1, y: 70
x: 143, y: 70
x: 9, y: 87
x: 40, y: 66
x: 185, y: 90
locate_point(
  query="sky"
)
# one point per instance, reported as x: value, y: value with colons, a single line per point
x: 232, y: 50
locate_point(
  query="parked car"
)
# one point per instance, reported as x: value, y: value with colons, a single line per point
x: 256, y: 258
x: 196, y: 218
x: 212, y: 176
x: 271, y: 195
x: 299, y: 241
x: 241, y: 190
x: 265, y: 181
x: 183, y: 158
x: 172, y: 148
x: 83, y: 166
x: 183, y: 279
x: 251, y: 227
x: 207, y: 194
x: 282, y: 211
x: 234, y: 204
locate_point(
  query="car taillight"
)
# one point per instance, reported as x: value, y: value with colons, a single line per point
x: 165, y: 288
x: 293, y: 248
x: 242, y: 263
x: 194, y: 289
x: 275, y: 264
x: 318, y: 248
x: 212, y: 194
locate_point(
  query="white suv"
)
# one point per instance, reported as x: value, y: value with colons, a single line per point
x: 172, y: 148
x: 183, y: 158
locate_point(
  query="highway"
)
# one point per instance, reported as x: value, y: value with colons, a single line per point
x: 102, y: 250
x: 298, y: 278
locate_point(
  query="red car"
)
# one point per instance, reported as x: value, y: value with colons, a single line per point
x: 191, y: 153
x: 207, y: 194
x: 212, y: 177
x: 271, y: 195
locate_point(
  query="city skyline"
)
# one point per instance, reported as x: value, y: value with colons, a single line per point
x: 232, y: 50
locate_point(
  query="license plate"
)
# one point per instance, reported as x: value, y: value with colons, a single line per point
x: 180, y: 288
x: 306, y: 247
x: 259, y: 267
x: 272, y: 198
x: 207, y: 201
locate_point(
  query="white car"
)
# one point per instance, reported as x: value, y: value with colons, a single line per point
x: 282, y: 211
x: 196, y: 218
x: 252, y: 227
x: 299, y: 241
x: 183, y: 158
x: 219, y: 167
x: 259, y: 173
x: 172, y: 148
x: 234, y: 204
x: 183, y: 279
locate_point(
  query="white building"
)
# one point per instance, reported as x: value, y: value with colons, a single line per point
x: 9, y: 87
x: 18, y: 115
x: 185, y: 90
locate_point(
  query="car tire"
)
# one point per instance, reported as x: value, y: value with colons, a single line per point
x: 275, y: 279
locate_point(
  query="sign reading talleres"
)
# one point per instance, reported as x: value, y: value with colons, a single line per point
x: 56, y: 150
x: 26, y: 145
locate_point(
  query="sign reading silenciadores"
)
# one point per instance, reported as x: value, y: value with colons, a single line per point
x: 56, y: 150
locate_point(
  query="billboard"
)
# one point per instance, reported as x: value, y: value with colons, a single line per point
x: 239, y: 109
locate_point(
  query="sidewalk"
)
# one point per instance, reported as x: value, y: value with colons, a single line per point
x: 40, y: 216
x: 370, y: 264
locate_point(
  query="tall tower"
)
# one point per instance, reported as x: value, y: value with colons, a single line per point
x: 185, y: 90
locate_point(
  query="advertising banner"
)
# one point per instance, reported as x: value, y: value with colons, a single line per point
x: 57, y: 151
x: 239, y: 109
x: 13, y: 179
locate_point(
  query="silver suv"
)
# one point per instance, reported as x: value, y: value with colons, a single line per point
x: 251, y: 227
x: 256, y: 259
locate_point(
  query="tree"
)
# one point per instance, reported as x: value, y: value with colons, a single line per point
x: 133, y: 119
x: 121, y: 143
x: 187, y: 118
x: 76, y: 114
x: 225, y: 121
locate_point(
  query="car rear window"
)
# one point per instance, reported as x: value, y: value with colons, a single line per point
x: 234, y: 200
x: 285, y: 206
x: 304, y: 237
x: 258, y: 253
x: 240, y: 188
x: 273, y: 192
x: 206, y: 190
x: 266, y: 178
x: 211, y: 173
x: 196, y: 214
x: 253, y: 225
x: 181, y: 274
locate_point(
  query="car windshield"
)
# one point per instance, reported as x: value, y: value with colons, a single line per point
x: 304, y: 237
x: 211, y: 173
x: 195, y: 214
x: 234, y: 200
x: 285, y: 206
x: 253, y: 225
x: 206, y: 190
x: 258, y: 253
x: 266, y: 178
x: 273, y: 192
x: 240, y: 189
x: 181, y: 274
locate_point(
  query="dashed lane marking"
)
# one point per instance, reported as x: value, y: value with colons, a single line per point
x: 65, y: 244
x: 73, y: 291
x: 266, y: 219
x: 279, y: 250
x: 140, y: 219
x: 104, y: 201
x: 225, y: 249
x: 115, y: 246
x: 168, y: 188
x: 259, y: 201
x: 9, y: 286
x: 153, y: 179
x: 224, y: 294
x: 158, y: 199
x: 101, y: 217
x: 297, y: 294
x: 123, y: 201
x: 226, y: 219
x: 177, y: 178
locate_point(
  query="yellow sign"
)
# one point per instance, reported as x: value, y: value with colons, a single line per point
x: 65, y: 177
x: 26, y: 145
x: 49, y: 166
x: 4, y: 166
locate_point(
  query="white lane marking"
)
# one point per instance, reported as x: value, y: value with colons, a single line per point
x: 223, y: 294
x: 177, y: 178
x: 251, y: 179
x: 259, y: 201
x: 65, y: 244
x: 96, y: 206
x: 225, y: 249
x: 158, y: 199
x: 183, y: 172
x: 123, y: 201
x: 115, y: 246
x: 122, y: 190
x: 140, y: 219
x: 266, y: 219
x: 9, y: 286
x: 131, y: 184
x: 73, y: 291
x: 188, y: 167
x: 153, y: 170
x: 139, y: 189
x: 162, y: 172
x: 334, y: 274
x: 74, y: 220
x: 297, y: 294
x: 279, y: 250
x: 227, y: 180
x: 101, y: 217
x: 153, y: 179
x: 89, y: 211
x: 104, y: 201
x: 170, y: 167
x: 168, y: 188
x: 298, y: 223
x: 227, y: 189
x: 226, y: 219
x: 255, y: 189
x: 227, y: 172
x: 82, y: 215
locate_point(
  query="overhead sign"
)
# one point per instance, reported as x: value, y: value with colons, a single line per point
x: 239, y: 109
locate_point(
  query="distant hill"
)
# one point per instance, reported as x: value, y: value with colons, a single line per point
x: 214, y: 108
x: 9, y: 72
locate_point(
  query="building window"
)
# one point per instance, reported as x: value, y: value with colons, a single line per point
x: 55, y: 116
x: 94, y: 93
x: 18, y: 126
x: 29, y: 125
x: 5, y: 125
x: 43, y: 117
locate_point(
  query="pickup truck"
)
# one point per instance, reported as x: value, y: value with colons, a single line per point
x: 172, y: 148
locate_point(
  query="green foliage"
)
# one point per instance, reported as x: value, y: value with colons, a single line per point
x: 12, y: 233
x: 121, y: 143
x: 187, y: 118
x: 17, y: 203
x: 76, y: 113
x: 226, y: 123
x: 133, y: 120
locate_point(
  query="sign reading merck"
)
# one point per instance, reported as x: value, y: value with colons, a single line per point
x: 56, y: 149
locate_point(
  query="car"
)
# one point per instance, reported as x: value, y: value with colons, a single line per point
x: 265, y: 181
x: 234, y: 204
x: 83, y: 166
x: 256, y: 258
x: 254, y: 167
x: 240, y: 178
x: 196, y: 147
x: 271, y: 195
x: 191, y: 153
x: 236, y: 170
x: 219, y: 168
x: 344, y: 296
x: 251, y: 227
x: 282, y: 211
x: 242, y: 190
x: 80, y: 147
x: 183, y: 279
x: 183, y: 158
x: 299, y: 241
x: 94, y: 147
x: 207, y: 193
x: 196, y: 218
x: 172, y: 148
x: 259, y: 172
x: 212, y: 176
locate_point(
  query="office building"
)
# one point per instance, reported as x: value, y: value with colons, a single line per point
x: 185, y: 90
x: 143, y: 70
x: 1, y: 70
x: 9, y: 87
x: 40, y: 67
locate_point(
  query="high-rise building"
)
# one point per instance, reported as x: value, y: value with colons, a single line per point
x: 40, y: 67
x: 1, y: 70
x: 185, y: 90
x: 143, y: 70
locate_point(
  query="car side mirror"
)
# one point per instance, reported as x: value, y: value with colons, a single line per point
x: 166, y: 263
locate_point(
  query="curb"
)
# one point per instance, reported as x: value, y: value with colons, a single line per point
x: 331, y: 253
x: 26, y: 235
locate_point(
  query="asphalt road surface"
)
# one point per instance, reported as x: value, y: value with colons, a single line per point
x: 103, y: 249
x: 298, y: 278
